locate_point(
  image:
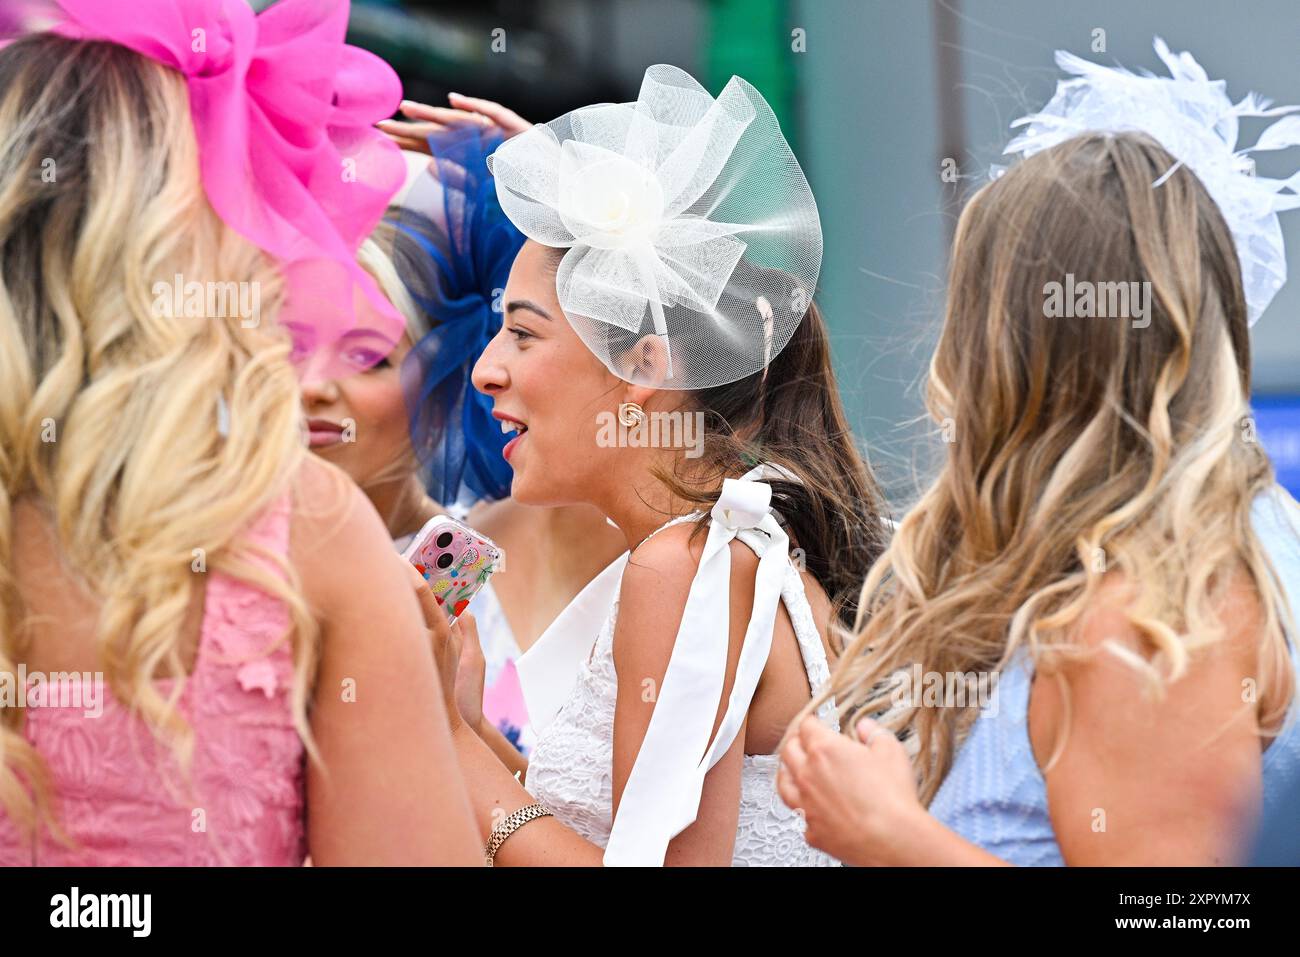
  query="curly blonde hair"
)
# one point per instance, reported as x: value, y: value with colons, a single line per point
x: 100, y: 197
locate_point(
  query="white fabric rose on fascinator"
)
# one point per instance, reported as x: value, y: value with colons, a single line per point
x: 691, y: 232
x: 1191, y: 116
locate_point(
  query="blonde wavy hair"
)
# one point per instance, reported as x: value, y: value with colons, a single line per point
x: 1073, y: 439
x: 100, y: 197
x: 376, y: 257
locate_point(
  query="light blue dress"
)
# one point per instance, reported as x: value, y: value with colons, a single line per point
x: 995, y: 795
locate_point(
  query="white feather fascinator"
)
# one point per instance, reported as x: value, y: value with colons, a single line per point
x: 1191, y: 116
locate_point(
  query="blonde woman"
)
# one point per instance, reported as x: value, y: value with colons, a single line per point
x: 1105, y: 538
x: 250, y: 678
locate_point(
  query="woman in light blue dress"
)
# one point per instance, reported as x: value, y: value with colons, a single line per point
x: 1079, y: 648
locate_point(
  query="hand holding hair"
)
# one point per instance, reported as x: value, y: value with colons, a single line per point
x: 858, y: 798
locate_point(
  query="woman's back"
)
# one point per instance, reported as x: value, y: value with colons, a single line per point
x: 120, y: 794
x: 381, y: 791
x: 163, y: 444
x: 997, y: 796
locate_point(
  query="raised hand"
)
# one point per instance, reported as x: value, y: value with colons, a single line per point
x: 424, y: 121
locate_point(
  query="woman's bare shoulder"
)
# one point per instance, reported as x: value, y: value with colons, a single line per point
x: 337, y: 539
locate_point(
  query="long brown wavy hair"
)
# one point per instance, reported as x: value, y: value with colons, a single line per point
x: 1078, y: 446
x: 790, y: 415
x: 793, y: 417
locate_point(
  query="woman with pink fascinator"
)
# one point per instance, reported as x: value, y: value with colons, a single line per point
x: 209, y: 652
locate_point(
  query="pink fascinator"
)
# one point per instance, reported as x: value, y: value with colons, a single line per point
x: 284, y: 113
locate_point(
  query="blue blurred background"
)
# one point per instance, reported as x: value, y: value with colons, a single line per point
x: 874, y: 95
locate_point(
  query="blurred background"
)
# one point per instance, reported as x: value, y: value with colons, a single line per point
x: 874, y: 96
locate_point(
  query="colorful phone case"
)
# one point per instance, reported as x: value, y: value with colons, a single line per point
x: 455, y: 560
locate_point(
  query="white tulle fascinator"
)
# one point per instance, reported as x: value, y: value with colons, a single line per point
x: 1191, y: 116
x: 687, y: 221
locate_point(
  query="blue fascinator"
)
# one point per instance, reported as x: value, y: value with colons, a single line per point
x: 453, y: 251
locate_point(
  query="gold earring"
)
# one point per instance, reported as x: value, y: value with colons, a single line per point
x: 630, y: 414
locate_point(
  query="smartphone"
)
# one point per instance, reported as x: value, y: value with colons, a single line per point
x: 455, y: 560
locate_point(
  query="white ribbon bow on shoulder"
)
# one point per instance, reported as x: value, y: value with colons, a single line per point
x: 662, y: 795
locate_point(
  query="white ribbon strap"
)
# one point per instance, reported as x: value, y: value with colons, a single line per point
x: 662, y: 796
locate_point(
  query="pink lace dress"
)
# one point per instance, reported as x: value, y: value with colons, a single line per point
x: 121, y: 796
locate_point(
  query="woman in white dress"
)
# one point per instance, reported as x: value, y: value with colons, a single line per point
x: 661, y: 361
x: 406, y: 425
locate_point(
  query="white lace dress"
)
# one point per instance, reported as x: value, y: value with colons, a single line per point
x: 571, y: 768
